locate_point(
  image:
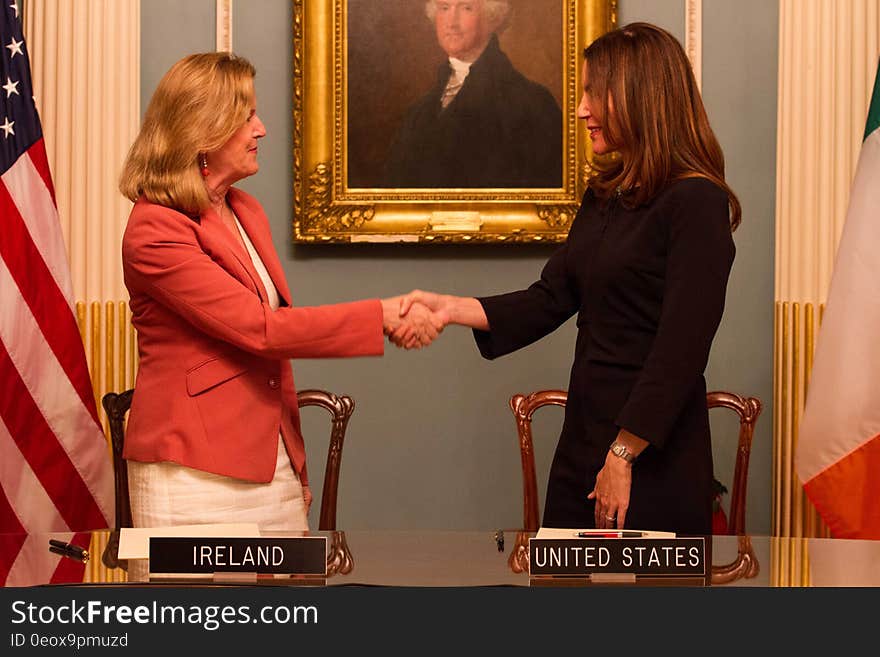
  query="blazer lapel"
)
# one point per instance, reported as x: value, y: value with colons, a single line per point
x: 242, y: 265
x: 257, y: 228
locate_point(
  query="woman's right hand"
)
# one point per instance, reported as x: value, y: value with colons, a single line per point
x: 439, y: 304
x: 411, y: 308
x: 418, y: 329
x: 449, y: 309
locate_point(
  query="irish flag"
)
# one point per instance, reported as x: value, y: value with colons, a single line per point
x: 838, y: 454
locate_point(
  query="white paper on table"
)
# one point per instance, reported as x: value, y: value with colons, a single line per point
x: 134, y: 543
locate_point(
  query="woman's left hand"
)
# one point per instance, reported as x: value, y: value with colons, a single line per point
x: 611, y: 492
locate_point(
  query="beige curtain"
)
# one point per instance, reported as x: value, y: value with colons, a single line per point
x: 828, y: 53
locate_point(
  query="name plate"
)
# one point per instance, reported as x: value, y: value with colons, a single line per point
x: 640, y: 556
x: 455, y: 221
x: 303, y: 555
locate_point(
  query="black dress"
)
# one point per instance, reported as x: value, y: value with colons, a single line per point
x: 648, y: 285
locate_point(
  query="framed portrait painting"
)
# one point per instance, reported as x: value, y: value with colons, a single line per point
x: 440, y: 120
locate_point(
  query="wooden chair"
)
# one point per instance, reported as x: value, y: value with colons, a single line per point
x: 340, y: 408
x: 747, y: 408
x: 116, y: 406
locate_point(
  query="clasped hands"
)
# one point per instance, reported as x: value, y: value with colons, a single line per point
x: 414, y: 320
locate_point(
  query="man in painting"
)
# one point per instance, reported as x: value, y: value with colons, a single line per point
x: 483, y: 124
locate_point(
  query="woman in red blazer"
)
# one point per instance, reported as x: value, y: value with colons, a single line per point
x: 214, y: 431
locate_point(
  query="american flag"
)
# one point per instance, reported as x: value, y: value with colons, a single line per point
x: 55, y: 472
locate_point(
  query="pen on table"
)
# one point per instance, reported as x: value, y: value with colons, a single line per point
x: 620, y: 534
x: 68, y: 550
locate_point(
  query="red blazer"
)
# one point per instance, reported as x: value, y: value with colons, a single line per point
x: 214, y: 383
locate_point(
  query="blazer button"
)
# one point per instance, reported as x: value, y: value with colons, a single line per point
x: 273, y: 383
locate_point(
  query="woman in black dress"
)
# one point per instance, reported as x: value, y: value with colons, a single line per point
x: 645, y: 268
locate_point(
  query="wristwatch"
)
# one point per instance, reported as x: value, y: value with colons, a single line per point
x: 621, y: 451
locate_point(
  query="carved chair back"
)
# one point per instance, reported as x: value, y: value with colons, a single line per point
x: 340, y: 408
x: 747, y: 408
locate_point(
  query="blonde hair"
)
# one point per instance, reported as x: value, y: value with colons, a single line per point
x: 658, y: 123
x: 199, y: 103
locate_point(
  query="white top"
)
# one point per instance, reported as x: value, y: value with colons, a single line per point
x: 259, y: 266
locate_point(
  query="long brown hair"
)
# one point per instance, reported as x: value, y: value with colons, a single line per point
x: 653, y: 116
x: 197, y: 106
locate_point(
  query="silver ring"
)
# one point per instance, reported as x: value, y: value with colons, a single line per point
x: 610, y: 517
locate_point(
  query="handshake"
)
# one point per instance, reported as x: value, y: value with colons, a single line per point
x: 414, y: 320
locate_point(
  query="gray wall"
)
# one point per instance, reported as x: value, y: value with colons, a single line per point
x: 432, y: 443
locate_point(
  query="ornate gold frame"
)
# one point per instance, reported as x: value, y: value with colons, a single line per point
x: 325, y: 210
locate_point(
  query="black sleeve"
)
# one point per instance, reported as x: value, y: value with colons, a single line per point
x: 518, y: 319
x: 699, y: 257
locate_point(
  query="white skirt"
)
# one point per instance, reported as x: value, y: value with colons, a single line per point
x: 167, y: 494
